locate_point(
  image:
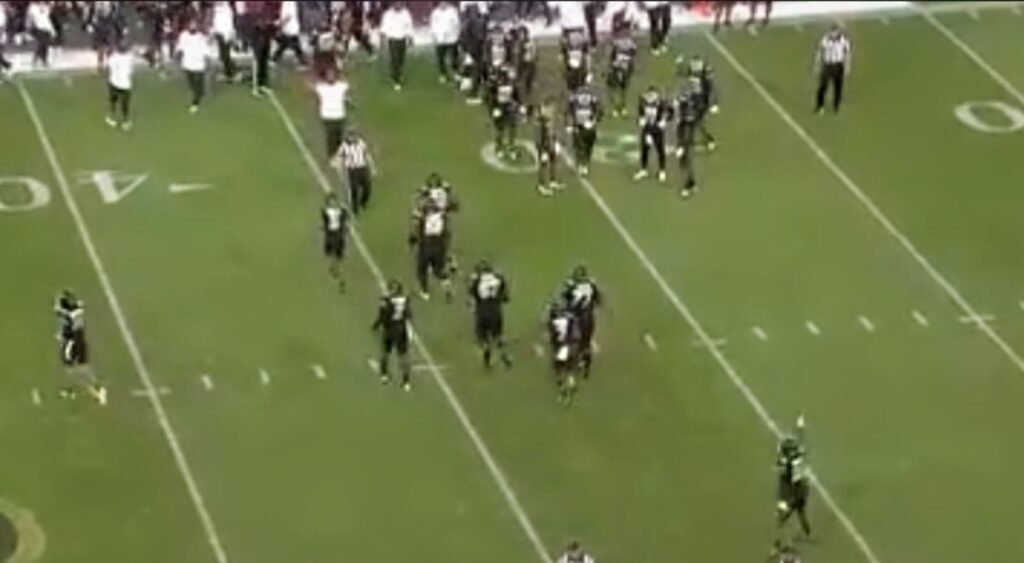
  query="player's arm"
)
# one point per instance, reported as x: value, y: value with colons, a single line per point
x: 416, y: 229
x: 505, y: 294
x: 382, y: 315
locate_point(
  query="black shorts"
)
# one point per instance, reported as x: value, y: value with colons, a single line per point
x: 506, y: 117
x: 489, y: 326
x: 396, y: 341
x: 74, y: 351
x: 433, y: 255
x: 618, y: 79
x: 334, y: 244
x: 575, y: 77
x: 585, y: 326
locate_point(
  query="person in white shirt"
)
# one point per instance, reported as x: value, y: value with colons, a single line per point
x: 193, y: 49
x: 224, y: 35
x: 120, y: 66
x: 444, y: 27
x: 571, y: 17
x: 575, y: 554
x: 41, y: 26
x: 396, y: 27
x: 291, y: 30
x: 332, y: 95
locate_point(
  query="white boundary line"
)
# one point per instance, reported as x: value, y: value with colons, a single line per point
x: 867, y: 202
x: 126, y: 333
x: 719, y: 356
x: 144, y: 393
x: 453, y: 401
x: 974, y: 56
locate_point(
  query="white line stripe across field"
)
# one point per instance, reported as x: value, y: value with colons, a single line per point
x: 497, y: 473
x: 177, y: 452
x: 867, y: 202
x: 716, y: 352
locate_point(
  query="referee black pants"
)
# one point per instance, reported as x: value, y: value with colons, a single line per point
x: 396, y: 58
x: 334, y: 130
x: 831, y: 74
x: 359, y: 187
x: 120, y: 103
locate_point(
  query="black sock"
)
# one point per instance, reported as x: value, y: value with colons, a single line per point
x: 487, y: 356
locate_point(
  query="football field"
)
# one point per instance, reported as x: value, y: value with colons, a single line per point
x: 862, y: 268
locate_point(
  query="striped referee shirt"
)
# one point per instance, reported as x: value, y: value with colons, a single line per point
x: 354, y: 154
x: 834, y: 48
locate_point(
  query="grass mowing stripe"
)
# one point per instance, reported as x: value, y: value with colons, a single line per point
x: 460, y: 412
x: 177, y: 452
x: 868, y: 204
x: 974, y: 56
x: 719, y: 356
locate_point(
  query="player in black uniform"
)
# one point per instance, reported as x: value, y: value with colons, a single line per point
x: 74, y: 350
x: 334, y: 223
x: 489, y: 292
x: 654, y: 113
x: 523, y: 54
x: 393, y: 318
x: 699, y: 78
x: 505, y: 108
x: 436, y: 190
x: 688, y: 116
x: 548, y: 150
x: 496, y: 58
x: 582, y: 297
x: 620, y: 70
x: 563, y: 339
x: 794, y: 480
x: 576, y: 57
x: 431, y: 239
x: 583, y: 112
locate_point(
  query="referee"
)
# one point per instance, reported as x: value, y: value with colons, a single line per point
x: 833, y: 59
x: 354, y: 156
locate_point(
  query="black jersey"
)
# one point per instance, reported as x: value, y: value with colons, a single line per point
x: 546, y: 140
x: 497, y: 49
x: 623, y: 55
x: 394, y: 314
x: 652, y: 110
x: 334, y: 220
x: 575, y: 51
x: 432, y: 226
x: 505, y: 95
x: 700, y: 77
x: 439, y: 196
x: 70, y: 318
x: 584, y: 109
x: 489, y: 292
x: 687, y: 108
x: 522, y: 48
x: 581, y: 296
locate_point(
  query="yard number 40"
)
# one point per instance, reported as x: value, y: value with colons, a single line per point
x: 980, y: 116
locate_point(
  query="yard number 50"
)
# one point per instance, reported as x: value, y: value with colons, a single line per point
x: 978, y: 116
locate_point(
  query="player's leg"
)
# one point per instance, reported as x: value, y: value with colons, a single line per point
x: 819, y: 98
x: 388, y: 345
x: 423, y: 264
x: 125, y: 107
x: 659, y: 147
x: 646, y: 140
x: 441, y: 265
x: 406, y: 364
x: 837, y: 87
x: 589, y: 140
x: 511, y: 131
x: 800, y: 507
x: 112, y: 99
x: 587, y: 327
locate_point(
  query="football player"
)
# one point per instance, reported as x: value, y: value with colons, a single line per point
x: 582, y: 297
x: 562, y: 338
x: 688, y: 116
x: 334, y: 223
x: 489, y: 293
x: 576, y: 57
x: 699, y: 78
x: 431, y: 239
x: 523, y: 53
x: 505, y: 107
x: 794, y: 480
x: 620, y: 70
x: 583, y: 112
x: 653, y: 115
x: 548, y: 150
x: 74, y: 350
x: 437, y: 191
x: 393, y: 318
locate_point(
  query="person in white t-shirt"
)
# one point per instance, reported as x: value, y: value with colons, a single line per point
x: 332, y: 96
x: 120, y: 66
x: 445, y: 25
x: 193, y: 50
x: 290, y: 32
x: 224, y: 34
x: 41, y: 26
x: 397, y: 28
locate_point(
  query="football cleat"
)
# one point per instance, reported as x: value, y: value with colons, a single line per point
x: 662, y: 176
x: 640, y: 175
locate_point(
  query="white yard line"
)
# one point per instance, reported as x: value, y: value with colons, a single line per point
x: 974, y: 56
x: 1021, y: 305
x: 866, y: 323
x: 207, y: 382
x: 177, y: 452
x: 37, y: 397
x: 264, y: 377
x: 920, y: 318
x: 496, y: 472
x: 650, y: 342
x: 867, y: 202
x: 812, y: 328
x: 977, y: 319
x: 719, y: 356
x: 760, y: 333
x: 319, y: 372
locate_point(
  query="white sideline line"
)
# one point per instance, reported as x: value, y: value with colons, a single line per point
x: 813, y: 328
x: 760, y: 333
x: 867, y: 202
x: 866, y: 323
x: 318, y: 371
x: 977, y: 319
x: 920, y: 318
x: 126, y: 333
x: 649, y: 340
x: 207, y: 382
x: 37, y: 398
x: 974, y: 56
x: 145, y: 392
x: 719, y: 356
x: 264, y: 377
x: 460, y: 412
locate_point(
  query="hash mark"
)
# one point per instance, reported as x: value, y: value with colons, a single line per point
x: 37, y: 398
x: 264, y: 377
x: 207, y: 382
x: 867, y: 324
x: 813, y: 328
x: 977, y: 319
x: 538, y: 350
x: 595, y: 347
x: 920, y: 318
x: 712, y: 343
x: 318, y: 371
x: 649, y: 340
x: 146, y: 393
x: 759, y: 333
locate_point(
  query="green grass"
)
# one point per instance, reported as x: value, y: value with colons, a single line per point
x: 913, y: 429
